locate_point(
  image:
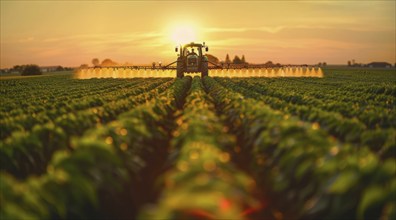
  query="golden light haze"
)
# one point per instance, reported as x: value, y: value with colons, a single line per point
x: 140, y: 32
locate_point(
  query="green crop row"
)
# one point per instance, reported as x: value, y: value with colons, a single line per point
x: 28, y: 152
x: 306, y: 173
x: 32, y: 94
x: 89, y: 182
x: 42, y: 114
x: 203, y: 183
x: 345, y: 129
x: 372, y: 115
x: 346, y: 91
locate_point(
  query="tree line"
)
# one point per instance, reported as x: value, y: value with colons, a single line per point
x: 26, y: 70
x: 34, y: 69
x: 236, y: 60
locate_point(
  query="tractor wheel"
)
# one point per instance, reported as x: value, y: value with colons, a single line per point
x: 179, y: 73
x: 204, y: 70
x: 179, y: 68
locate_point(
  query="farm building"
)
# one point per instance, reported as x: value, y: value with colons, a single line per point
x: 48, y: 68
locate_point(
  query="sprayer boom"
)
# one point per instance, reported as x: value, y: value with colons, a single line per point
x: 192, y: 60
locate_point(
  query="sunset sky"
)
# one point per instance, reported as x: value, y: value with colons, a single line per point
x: 72, y: 33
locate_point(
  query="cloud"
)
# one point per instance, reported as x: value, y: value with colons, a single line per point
x: 302, y: 42
x: 302, y: 33
x: 268, y: 29
x: 126, y: 46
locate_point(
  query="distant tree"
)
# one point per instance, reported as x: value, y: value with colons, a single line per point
x: 324, y: 64
x: 108, y: 62
x: 59, y: 68
x: 349, y: 63
x: 269, y: 64
x: 153, y: 64
x: 319, y: 64
x: 236, y: 60
x: 227, y: 59
x: 243, y: 59
x: 82, y: 66
x: 95, y: 62
x: 17, y: 68
x: 31, y: 69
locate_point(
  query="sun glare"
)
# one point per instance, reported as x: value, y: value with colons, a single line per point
x: 182, y: 34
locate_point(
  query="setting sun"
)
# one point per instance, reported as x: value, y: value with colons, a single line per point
x: 183, y: 33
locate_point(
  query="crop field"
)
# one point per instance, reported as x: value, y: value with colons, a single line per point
x: 199, y: 148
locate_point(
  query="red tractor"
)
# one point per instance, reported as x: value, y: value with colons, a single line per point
x: 191, y: 59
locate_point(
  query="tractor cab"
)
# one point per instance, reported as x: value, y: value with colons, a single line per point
x: 191, y: 59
